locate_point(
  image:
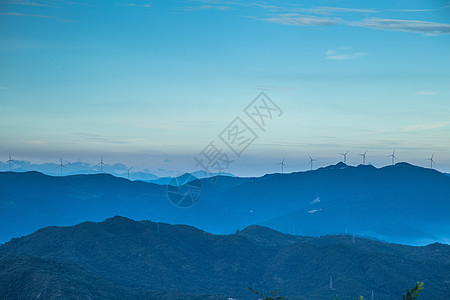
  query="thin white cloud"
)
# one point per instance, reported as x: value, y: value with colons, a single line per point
x: 317, y: 200
x: 346, y: 56
x: 326, y: 16
x: 136, y: 5
x: 23, y: 2
x: 424, y: 27
x: 314, y: 211
x: 34, y: 16
x: 291, y: 8
x: 302, y: 20
x: 209, y: 7
x: 426, y: 93
x: 331, y: 10
x: 342, y: 53
x: 411, y: 10
x: 36, y: 142
x: 428, y: 126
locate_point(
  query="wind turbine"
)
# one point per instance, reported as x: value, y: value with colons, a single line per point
x: 101, y: 164
x: 363, y: 157
x: 431, y: 161
x: 128, y: 171
x: 393, y: 157
x: 282, y: 165
x: 345, y: 156
x: 61, y: 165
x: 9, y: 161
x: 311, y: 160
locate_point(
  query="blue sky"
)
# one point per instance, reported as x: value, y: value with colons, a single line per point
x: 151, y: 83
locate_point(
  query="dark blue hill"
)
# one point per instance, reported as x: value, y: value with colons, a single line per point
x: 147, y: 256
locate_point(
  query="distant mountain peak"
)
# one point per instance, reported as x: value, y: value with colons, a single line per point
x: 117, y: 219
x: 339, y: 165
x: 405, y: 165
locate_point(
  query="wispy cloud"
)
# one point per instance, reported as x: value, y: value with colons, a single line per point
x: 410, y: 10
x: 97, y: 138
x: 326, y: 16
x: 333, y: 10
x: 302, y: 20
x: 424, y: 27
x: 24, y: 2
x: 343, y: 53
x: 428, y: 126
x: 426, y: 93
x: 36, y: 142
x: 317, y: 200
x: 208, y: 7
x: 34, y: 16
x: 136, y: 5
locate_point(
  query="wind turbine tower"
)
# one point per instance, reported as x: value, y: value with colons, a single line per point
x: 101, y: 164
x: 128, y: 171
x: 393, y: 157
x: 363, y: 155
x: 9, y: 161
x: 61, y: 165
x: 345, y: 156
x: 311, y: 160
x: 282, y: 165
x: 431, y: 161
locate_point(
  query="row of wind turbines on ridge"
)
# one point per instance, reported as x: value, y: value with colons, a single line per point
x: 282, y: 165
x: 363, y: 156
x: 61, y: 165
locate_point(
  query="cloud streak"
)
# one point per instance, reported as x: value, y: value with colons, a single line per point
x: 423, y: 27
x: 421, y: 127
x: 326, y: 16
x: 343, y: 55
x: 27, y: 3
x: 34, y: 16
x: 333, y: 10
x: 302, y: 20
x: 426, y: 93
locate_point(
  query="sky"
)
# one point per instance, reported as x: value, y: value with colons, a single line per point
x: 150, y: 84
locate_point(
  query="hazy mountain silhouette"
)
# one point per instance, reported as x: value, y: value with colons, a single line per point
x: 401, y: 203
x: 80, y: 167
x: 121, y: 257
x: 190, y: 176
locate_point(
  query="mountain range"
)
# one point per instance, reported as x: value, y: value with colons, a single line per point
x: 122, y: 258
x: 401, y: 203
x: 116, y: 169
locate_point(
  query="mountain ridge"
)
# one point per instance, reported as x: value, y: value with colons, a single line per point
x: 152, y: 256
x: 363, y: 200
